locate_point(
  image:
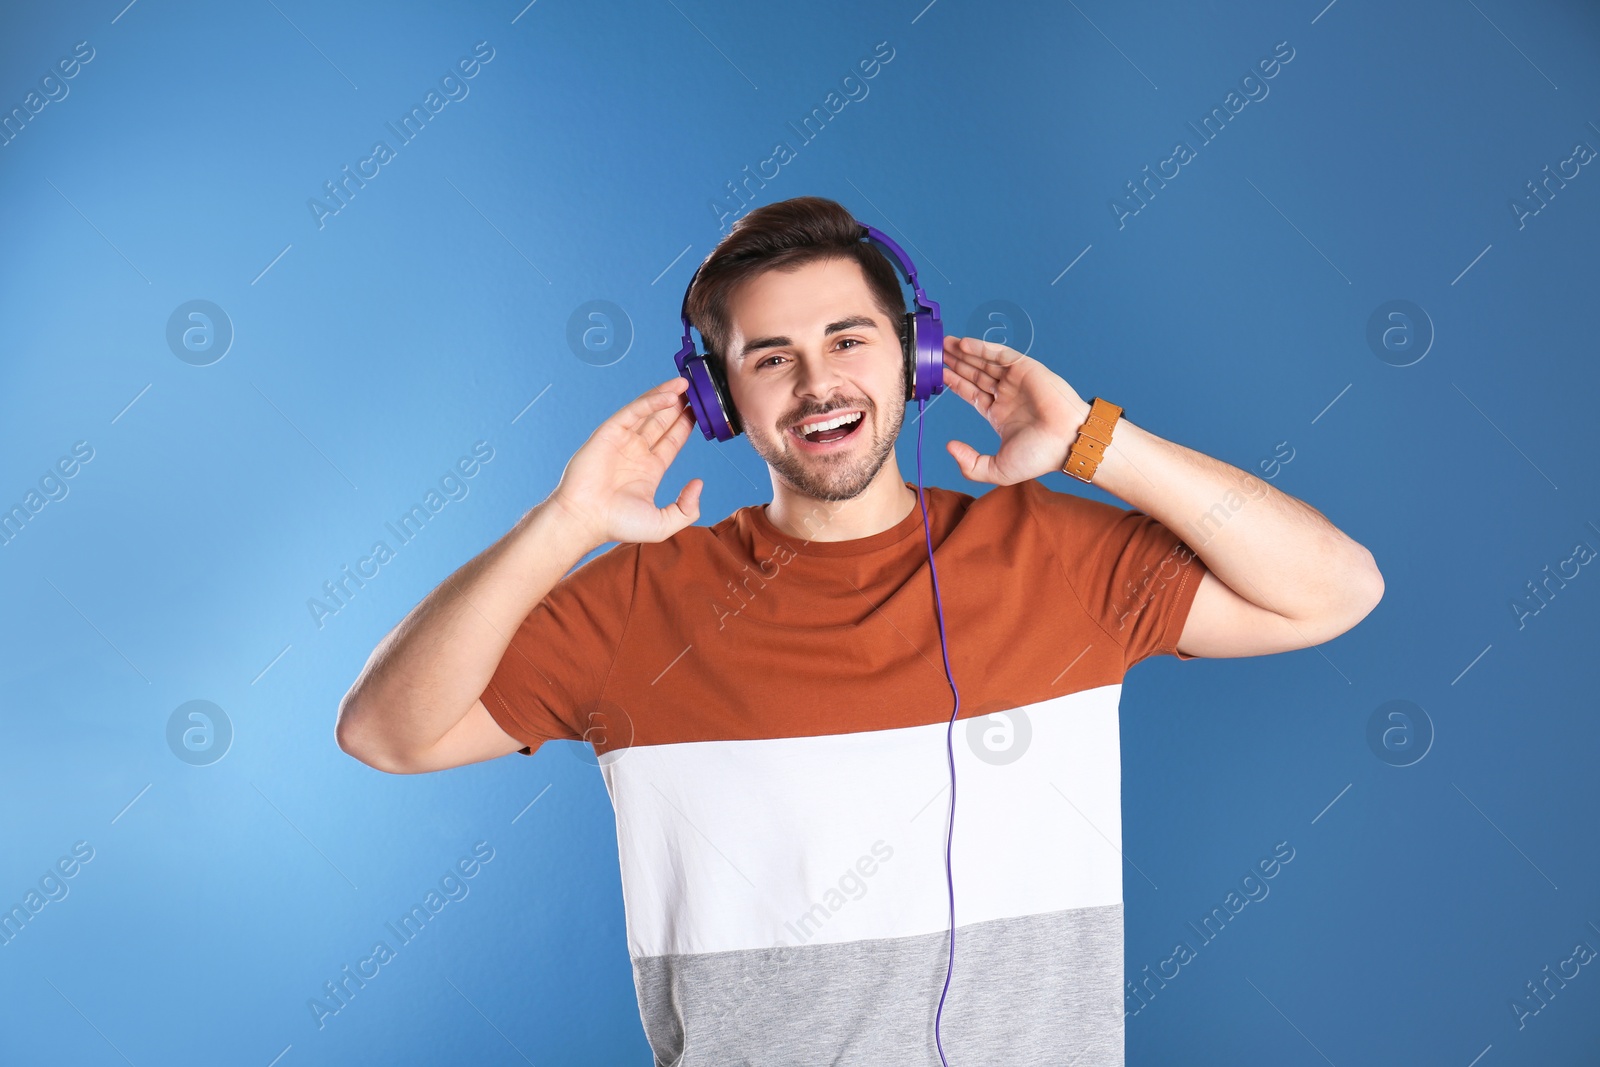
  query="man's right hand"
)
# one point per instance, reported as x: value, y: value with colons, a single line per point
x: 609, y: 485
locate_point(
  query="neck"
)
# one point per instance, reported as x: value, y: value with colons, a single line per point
x: 886, y: 500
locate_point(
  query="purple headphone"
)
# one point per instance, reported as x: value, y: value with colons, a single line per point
x: 921, y: 343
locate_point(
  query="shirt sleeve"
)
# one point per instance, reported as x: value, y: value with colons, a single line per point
x: 555, y: 668
x: 1133, y: 576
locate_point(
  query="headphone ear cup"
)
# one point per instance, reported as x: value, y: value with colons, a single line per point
x: 706, y: 400
x: 924, y: 355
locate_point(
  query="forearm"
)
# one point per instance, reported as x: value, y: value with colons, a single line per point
x: 1278, y: 552
x: 428, y: 672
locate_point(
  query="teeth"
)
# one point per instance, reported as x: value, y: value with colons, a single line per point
x: 830, y: 424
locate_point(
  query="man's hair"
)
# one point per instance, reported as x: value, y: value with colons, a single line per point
x: 786, y: 236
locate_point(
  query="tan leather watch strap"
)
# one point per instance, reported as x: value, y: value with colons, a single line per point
x: 1093, y: 437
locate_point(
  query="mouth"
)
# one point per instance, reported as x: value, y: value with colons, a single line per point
x: 840, y: 428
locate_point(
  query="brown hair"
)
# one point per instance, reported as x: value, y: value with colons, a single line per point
x: 786, y: 236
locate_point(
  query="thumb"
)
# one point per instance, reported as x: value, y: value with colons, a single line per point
x: 686, y: 509
x: 974, y: 466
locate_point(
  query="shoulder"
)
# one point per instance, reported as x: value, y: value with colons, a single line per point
x: 1067, y: 513
x: 691, y: 545
x: 619, y: 566
x: 613, y: 566
x: 1032, y: 502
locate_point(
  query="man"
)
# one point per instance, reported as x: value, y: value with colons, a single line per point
x: 767, y: 696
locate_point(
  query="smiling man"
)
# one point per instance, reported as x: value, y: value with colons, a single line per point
x: 766, y: 697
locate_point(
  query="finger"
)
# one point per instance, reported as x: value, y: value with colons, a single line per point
x: 967, y: 348
x: 988, y: 351
x: 647, y: 403
x: 651, y: 400
x: 671, y: 440
x: 973, y: 363
x: 966, y: 390
x: 684, y: 510
x: 981, y: 376
x: 975, y: 466
x: 996, y: 352
x: 661, y: 419
x: 976, y: 364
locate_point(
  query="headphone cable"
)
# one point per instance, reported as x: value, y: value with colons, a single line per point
x: 949, y: 743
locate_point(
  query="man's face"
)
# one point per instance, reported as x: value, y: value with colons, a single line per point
x: 807, y: 346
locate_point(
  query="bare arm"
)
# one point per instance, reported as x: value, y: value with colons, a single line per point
x: 415, y: 706
x: 1279, y: 574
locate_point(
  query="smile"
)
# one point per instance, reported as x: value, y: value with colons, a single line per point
x: 827, y: 433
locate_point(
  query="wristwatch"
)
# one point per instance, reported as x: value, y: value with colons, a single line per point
x: 1093, y: 437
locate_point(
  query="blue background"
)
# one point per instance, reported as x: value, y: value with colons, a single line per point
x: 1230, y: 313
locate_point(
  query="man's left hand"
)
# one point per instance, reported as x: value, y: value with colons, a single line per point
x: 1033, y: 409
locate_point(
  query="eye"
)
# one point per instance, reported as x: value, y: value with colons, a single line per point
x: 854, y: 342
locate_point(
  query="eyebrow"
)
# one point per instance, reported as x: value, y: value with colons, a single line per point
x: 853, y: 322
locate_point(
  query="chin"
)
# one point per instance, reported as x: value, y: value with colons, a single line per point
x: 839, y: 476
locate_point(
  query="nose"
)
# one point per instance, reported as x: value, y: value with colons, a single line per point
x: 818, y: 378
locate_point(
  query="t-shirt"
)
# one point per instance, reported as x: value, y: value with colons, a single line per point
x: 770, y: 714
